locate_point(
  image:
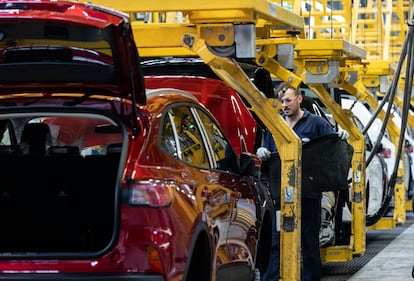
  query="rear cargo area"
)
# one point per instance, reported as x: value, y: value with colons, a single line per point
x: 58, y: 184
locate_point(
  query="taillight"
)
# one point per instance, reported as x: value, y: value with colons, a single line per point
x: 154, y: 259
x: 386, y: 153
x: 153, y: 193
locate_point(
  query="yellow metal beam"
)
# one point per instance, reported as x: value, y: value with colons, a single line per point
x: 335, y: 49
x: 358, y: 198
x: 325, y: 62
x: 213, y: 23
x: 290, y: 152
x: 162, y: 39
x: 234, y: 11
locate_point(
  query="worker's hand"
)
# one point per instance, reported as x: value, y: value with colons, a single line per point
x: 263, y: 153
x: 342, y: 134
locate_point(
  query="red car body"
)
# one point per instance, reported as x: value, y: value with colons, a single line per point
x: 225, y: 104
x: 102, y: 181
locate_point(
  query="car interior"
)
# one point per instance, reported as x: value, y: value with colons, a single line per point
x: 54, y: 186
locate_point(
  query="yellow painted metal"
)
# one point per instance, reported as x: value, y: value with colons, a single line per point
x: 162, y: 39
x: 234, y: 11
x: 372, y: 74
x: 328, y: 19
x: 357, y: 140
x: 409, y: 205
x: 315, y: 60
x: 335, y: 49
x: 377, y: 26
x: 288, y: 143
x: 337, y: 253
x: 217, y: 35
x: 265, y: 58
x: 211, y: 24
x: 383, y: 224
x: 371, y: 30
x: 206, y: 24
x: 400, y: 12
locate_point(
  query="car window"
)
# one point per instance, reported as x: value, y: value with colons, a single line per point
x: 7, y: 136
x: 168, y: 141
x: 188, y: 145
x: 224, y: 155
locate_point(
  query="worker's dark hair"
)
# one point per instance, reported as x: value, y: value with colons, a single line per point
x: 283, y: 87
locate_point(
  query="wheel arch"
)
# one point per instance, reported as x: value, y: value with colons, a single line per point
x: 200, y: 257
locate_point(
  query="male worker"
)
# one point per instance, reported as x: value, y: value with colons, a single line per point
x: 307, y: 126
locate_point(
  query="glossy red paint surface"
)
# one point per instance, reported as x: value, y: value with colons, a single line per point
x: 209, y: 219
x: 74, y: 33
x: 225, y: 104
x: 63, y: 10
x: 219, y: 205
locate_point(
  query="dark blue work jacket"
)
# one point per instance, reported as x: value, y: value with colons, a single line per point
x: 309, y: 127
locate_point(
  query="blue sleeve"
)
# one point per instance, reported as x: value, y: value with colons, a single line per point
x: 269, y: 143
x: 325, y: 128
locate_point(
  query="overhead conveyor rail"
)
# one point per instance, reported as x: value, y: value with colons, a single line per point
x: 220, y: 33
x: 377, y: 26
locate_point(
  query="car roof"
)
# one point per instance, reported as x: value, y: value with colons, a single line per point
x: 61, y: 45
x: 224, y: 103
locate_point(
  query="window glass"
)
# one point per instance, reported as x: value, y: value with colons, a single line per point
x: 168, y: 141
x: 6, y: 138
x: 190, y: 146
x: 224, y: 155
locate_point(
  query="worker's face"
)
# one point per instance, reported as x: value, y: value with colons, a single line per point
x: 290, y: 102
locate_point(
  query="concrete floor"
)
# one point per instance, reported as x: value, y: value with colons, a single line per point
x: 389, y: 256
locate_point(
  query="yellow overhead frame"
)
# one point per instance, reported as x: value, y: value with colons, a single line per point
x: 377, y: 75
x: 351, y: 73
x: 377, y: 26
x: 211, y: 27
x: 322, y: 62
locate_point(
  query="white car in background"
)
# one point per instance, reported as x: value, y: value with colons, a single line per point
x: 365, y: 115
x: 379, y: 170
x: 376, y: 179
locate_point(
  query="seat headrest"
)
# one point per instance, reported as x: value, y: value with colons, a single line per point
x: 37, y: 137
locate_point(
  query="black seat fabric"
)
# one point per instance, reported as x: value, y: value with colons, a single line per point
x: 36, y: 138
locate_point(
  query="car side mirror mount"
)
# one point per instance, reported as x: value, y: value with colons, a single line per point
x: 250, y: 164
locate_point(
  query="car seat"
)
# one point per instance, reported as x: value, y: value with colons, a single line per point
x: 36, y: 138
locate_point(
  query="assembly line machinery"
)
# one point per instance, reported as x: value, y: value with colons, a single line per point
x: 223, y: 32
x: 380, y: 28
